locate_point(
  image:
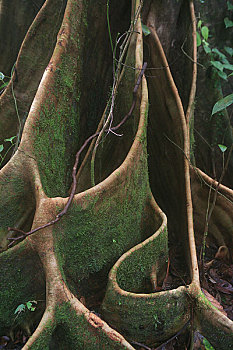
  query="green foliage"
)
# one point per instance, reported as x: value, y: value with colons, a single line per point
x: 229, y: 50
x: 222, y: 148
x: 228, y: 22
x: 10, y: 139
x: 222, y: 104
x: 202, y: 34
x: 207, y: 345
x: 145, y: 29
x: 29, y: 305
x: 21, y: 308
x: 3, y: 148
x: 4, y: 83
x: 229, y: 6
x: 198, y: 40
x: 218, y: 60
x: 205, y: 32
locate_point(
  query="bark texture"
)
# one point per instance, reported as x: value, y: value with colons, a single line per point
x: 100, y: 255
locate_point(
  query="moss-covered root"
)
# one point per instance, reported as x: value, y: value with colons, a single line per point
x: 71, y: 324
x: 211, y: 322
x: 42, y: 336
x: 150, y: 318
x: 18, y: 203
x: 66, y: 320
x: 22, y: 280
x: 35, y: 52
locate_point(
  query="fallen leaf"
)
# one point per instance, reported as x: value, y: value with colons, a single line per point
x: 213, y: 301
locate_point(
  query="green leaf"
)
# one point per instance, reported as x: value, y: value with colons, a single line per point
x: 217, y: 65
x: 229, y: 6
x: 230, y: 74
x: 3, y: 85
x: 222, y: 104
x: 31, y: 305
x: 222, y: 75
x: 20, y: 308
x: 229, y: 50
x: 145, y: 30
x: 199, y: 23
x: 2, y: 76
x: 207, y: 49
x: 205, y: 32
x: 228, y: 66
x: 208, y: 346
x: 222, y: 148
x: 10, y: 139
x: 219, y: 53
x: 198, y: 40
x: 228, y: 22
x: 1, y: 148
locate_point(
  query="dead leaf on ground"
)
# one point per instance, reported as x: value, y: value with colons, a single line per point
x: 213, y: 301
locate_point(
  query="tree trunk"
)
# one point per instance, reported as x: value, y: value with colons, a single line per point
x: 93, y: 261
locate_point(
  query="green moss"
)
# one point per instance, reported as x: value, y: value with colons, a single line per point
x: 220, y: 337
x: 56, y: 135
x: 16, y: 195
x: 12, y: 190
x: 95, y: 236
x: 57, y: 126
x: 74, y: 330
x: 147, y: 319
x: 136, y: 268
x: 18, y: 284
x: 44, y: 341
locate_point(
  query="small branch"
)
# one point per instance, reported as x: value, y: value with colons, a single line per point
x: 196, y: 169
x: 140, y: 344
x: 167, y: 273
x: 210, y: 209
x: 190, y: 58
x: 107, y: 124
x: 74, y: 184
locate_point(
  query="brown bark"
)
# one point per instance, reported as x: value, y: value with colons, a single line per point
x: 114, y: 236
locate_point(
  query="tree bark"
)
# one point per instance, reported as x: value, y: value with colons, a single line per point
x: 94, y: 270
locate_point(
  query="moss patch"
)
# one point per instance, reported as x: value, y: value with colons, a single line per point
x: 148, y: 319
x: 57, y: 126
x: 98, y: 232
x: 19, y: 284
x: 136, y: 268
x: 74, y: 331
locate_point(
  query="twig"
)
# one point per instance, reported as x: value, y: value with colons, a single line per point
x: 210, y: 211
x: 116, y: 79
x: 13, y: 70
x: 167, y: 273
x: 196, y: 169
x: 189, y: 57
x: 203, y: 139
x: 74, y: 184
x: 140, y: 344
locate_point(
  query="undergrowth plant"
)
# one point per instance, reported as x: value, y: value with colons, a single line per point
x: 14, y: 140
x: 3, y: 82
x: 221, y: 62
